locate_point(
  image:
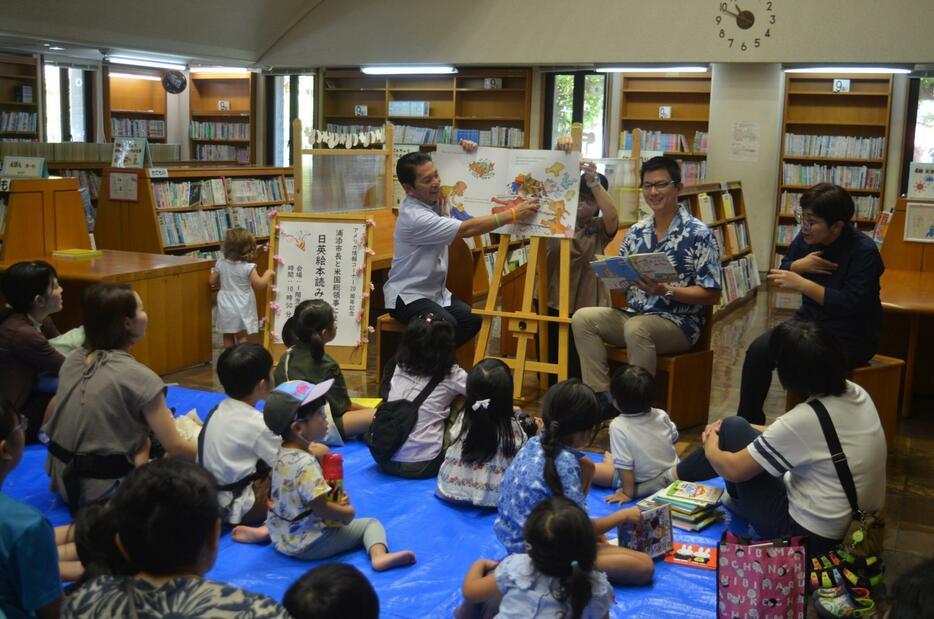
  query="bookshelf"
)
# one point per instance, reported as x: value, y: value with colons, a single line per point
x: 20, y: 87
x: 134, y: 105
x: 838, y: 137
x: 223, y: 122
x: 433, y: 109
x: 684, y: 101
x: 189, y: 212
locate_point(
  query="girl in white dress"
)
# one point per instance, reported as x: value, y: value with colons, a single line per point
x: 236, y: 301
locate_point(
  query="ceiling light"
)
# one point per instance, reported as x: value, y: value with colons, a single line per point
x: 643, y: 69
x: 138, y: 62
x: 857, y: 70
x: 409, y: 70
x: 56, y: 48
x: 136, y: 76
x: 224, y: 70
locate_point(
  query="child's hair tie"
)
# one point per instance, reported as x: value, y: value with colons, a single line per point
x: 484, y: 404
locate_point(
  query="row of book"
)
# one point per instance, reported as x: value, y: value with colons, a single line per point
x: 222, y: 152
x: 215, y: 192
x: 740, y: 277
x: 204, y: 130
x: 18, y: 122
x: 406, y: 134
x: 693, y: 171
x: 856, y: 177
x: 196, y: 227
x: 409, y: 108
x: 351, y: 129
x: 839, y: 146
x: 514, y: 259
x: 693, y: 506
x: 508, y: 137
x: 737, y: 236
x: 131, y: 128
x: 667, y: 142
x: 83, y: 151
x: 86, y: 178
x: 866, y: 207
x: 786, y: 233
x: 249, y: 190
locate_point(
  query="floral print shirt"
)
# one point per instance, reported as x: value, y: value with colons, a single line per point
x: 692, y: 249
x: 297, y: 480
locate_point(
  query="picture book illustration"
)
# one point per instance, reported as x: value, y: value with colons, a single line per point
x: 921, y: 180
x: 652, y: 535
x: 497, y: 180
x: 919, y: 222
x: 688, y: 555
x: 620, y: 271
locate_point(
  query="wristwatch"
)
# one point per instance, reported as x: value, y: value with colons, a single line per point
x: 596, y: 181
x: 669, y: 294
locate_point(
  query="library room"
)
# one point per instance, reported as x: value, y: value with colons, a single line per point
x: 367, y: 309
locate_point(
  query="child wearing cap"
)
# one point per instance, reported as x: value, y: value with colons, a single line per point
x: 299, y: 505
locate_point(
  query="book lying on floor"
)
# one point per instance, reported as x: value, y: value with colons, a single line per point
x: 691, y: 493
x: 703, y: 557
x: 621, y: 271
x: 708, y: 518
x: 653, y: 535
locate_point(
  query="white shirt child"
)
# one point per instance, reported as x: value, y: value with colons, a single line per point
x: 644, y: 443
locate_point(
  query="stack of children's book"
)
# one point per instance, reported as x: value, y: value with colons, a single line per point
x: 693, y: 505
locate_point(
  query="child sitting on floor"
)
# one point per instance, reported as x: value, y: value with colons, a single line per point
x: 332, y: 590
x: 642, y: 439
x: 303, y: 522
x: 555, y: 577
x: 426, y: 352
x: 550, y: 464
x: 488, y: 436
x: 313, y: 326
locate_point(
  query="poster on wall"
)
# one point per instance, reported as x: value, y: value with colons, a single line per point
x: 919, y: 222
x: 921, y: 180
x: 123, y: 186
x: 496, y: 180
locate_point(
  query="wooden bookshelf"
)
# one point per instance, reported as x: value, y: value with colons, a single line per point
x: 688, y: 96
x: 223, y: 134
x: 812, y: 109
x: 740, y: 271
x: 18, y: 74
x: 458, y: 101
x: 134, y: 106
x: 142, y: 225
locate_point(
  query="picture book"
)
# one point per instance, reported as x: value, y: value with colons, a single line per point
x: 652, y: 535
x: 689, y: 492
x: 703, y: 557
x: 707, y: 518
x: 76, y: 254
x: 705, y: 206
x: 621, y: 271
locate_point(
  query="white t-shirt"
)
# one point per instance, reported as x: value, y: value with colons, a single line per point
x: 427, y: 437
x: 235, y: 439
x: 794, y: 446
x: 644, y: 443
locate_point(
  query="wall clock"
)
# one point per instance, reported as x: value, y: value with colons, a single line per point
x: 746, y: 24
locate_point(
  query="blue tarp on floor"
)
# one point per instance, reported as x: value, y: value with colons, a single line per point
x: 446, y: 540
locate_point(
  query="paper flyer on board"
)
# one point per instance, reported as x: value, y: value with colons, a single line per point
x: 495, y: 180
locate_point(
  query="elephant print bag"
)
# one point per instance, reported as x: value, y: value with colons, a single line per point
x: 761, y: 579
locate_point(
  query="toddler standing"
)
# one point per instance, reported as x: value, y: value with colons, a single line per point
x: 237, y: 276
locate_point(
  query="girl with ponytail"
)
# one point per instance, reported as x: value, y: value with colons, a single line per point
x: 312, y: 326
x: 557, y: 576
x: 551, y: 464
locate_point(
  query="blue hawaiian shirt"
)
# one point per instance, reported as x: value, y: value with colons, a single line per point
x: 523, y: 487
x: 692, y: 249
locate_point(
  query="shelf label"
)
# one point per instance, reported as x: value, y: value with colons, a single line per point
x: 158, y: 172
x: 724, y: 186
x: 25, y: 167
x: 6, y: 184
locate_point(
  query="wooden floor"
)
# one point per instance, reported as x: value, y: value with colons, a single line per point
x: 910, y: 492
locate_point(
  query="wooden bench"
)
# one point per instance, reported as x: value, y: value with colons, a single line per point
x: 881, y: 378
x: 682, y: 380
x: 459, y: 282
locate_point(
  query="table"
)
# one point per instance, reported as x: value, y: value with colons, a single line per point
x: 910, y: 294
x: 175, y: 294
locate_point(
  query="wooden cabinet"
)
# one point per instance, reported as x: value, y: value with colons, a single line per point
x: 134, y: 105
x: 20, y: 87
x: 489, y: 106
x: 671, y: 112
x: 223, y: 122
x: 834, y: 136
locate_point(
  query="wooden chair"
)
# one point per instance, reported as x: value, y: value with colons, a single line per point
x: 682, y: 380
x: 459, y: 282
x: 881, y: 378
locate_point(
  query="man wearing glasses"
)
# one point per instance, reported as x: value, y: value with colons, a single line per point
x: 836, y: 268
x: 660, y: 318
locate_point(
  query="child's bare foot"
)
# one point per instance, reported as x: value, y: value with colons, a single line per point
x: 250, y: 535
x: 389, y: 560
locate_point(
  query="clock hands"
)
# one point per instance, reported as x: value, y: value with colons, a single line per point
x: 736, y: 15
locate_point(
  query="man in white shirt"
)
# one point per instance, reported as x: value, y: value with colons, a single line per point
x: 416, y: 282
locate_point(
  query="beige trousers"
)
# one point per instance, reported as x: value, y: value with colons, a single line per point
x: 644, y: 336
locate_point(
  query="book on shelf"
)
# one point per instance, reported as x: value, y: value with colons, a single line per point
x: 655, y: 140
x: 706, y: 209
x: 210, y: 226
x: 621, y: 271
x: 729, y: 208
x: 881, y: 228
x: 209, y: 130
x: 76, y: 254
x: 409, y: 108
x: 852, y: 177
x: 834, y: 146
x: 652, y: 535
x: 786, y: 233
x: 721, y: 246
x: 18, y: 122
x: 701, y: 142
x: 738, y: 278
x: 222, y: 152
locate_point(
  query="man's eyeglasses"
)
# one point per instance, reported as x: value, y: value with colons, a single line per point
x: 806, y: 223
x: 660, y: 185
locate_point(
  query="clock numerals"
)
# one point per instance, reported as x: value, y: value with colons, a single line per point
x: 744, y: 24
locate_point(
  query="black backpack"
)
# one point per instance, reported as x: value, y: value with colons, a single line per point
x: 393, y: 422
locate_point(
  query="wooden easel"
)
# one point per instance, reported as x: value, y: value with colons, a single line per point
x: 531, y: 322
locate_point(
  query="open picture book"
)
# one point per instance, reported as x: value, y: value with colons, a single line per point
x: 621, y: 271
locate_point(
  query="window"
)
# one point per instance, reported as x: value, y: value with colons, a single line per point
x: 919, y: 126
x: 576, y: 97
x: 290, y: 97
x: 68, y: 104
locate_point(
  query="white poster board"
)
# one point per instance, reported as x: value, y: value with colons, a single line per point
x: 323, y: 257
x: 921, y: 181
x: 494, y: 180
x: 123, y: 186
x: 919, y: 222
